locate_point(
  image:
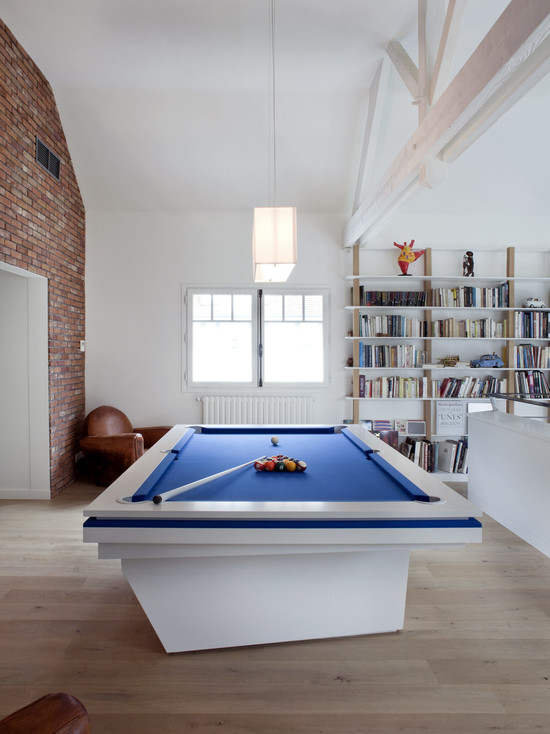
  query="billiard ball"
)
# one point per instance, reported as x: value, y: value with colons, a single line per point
x: 274, y: 440
x: 280, y: 465
x: 290, y: 465
x: 269, y: 465
x: 301, y: 466
x: 259, y: 465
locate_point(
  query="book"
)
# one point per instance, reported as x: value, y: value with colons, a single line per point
x: 382, y: 425
x: 450, y: 417
x: 462, y: 462
x: 389, y: 437
x: 418, y: 451
x: 401, y: 426
x: 406, y: 449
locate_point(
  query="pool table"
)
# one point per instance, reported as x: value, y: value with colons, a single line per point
x: 254, y: 557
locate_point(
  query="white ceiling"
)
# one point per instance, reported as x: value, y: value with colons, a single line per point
x: 165, y: 104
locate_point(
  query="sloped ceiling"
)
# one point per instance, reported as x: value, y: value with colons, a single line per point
x: 165, y: 104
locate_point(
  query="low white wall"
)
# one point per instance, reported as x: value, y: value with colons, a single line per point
x: 509, y: 465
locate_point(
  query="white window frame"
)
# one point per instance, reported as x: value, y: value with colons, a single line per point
x: 257, y: 331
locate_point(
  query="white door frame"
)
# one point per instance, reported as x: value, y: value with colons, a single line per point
x: 38, y: 390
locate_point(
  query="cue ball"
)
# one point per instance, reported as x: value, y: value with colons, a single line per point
x: 274, y: 440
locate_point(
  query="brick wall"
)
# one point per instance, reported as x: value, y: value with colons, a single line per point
x: 42, y: 229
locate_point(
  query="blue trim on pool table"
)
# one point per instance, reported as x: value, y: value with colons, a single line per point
x: 273, y: 430
x: 467, y: 522
x: 415, y: 492
x: 410, y: 487
x: 140, y: 495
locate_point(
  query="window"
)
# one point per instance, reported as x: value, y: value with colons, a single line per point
x: 293, y: 338
x: 257, y: 337
x: 222, y: 344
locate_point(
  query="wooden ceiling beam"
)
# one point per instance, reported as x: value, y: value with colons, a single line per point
x: 511, y: 58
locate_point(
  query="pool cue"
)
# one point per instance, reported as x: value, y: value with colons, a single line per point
x: 157, y: 499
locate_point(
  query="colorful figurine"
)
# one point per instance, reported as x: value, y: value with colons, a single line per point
x: 407, y: 256
x: 468, y: 264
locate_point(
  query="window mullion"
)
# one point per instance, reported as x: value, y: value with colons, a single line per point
x: 260, y: 344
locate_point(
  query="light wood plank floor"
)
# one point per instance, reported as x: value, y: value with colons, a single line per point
x: 474, y: 655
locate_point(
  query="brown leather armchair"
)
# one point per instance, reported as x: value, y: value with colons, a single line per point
x: 110, y: 444
x: 56, y: 713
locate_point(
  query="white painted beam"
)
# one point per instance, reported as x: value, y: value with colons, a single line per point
x: 502, y: 68
x: 447, y: 48
x: 422, y: 62
x: 405, y: 66
x: 519, y: 76
x: 377, y: 95
x: 431, y: 17
x: 382, y: 212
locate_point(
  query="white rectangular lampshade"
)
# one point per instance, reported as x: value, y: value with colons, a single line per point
x: 274, y: 243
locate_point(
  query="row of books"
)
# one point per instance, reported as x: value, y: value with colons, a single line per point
x: 398, y: 325
x: 469, y: 328
x: 532, y: 384
x: 532, y: 324
x: 467, y: 387
x: 392, y: 325
x: 448, y: 456
x: 393, y: 387
x: 391, y: 298
x: 469, y: 297
x: 463, y: 296
x: 388, y: 429
x: 391, y: 355
x: 453, y: 456
x: 531, y: 356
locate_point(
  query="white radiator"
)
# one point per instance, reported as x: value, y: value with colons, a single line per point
x: 219, y: 409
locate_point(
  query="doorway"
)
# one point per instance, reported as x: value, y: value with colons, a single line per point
x: 24, y: 402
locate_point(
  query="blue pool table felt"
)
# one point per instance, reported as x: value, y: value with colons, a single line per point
x: 340, y: 468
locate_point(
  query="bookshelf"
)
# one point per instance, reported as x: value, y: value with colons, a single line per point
x: 403, y: 327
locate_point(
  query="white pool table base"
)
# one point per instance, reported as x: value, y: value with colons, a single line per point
x: 208, y: 602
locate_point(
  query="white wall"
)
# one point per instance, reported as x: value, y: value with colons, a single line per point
x: 136, y: 266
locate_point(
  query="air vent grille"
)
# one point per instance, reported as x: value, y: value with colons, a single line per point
x: 47, y: 159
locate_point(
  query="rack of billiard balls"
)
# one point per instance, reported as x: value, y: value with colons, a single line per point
x: 280, y: 463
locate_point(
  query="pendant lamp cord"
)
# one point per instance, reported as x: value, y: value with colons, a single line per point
x: 273, y: 178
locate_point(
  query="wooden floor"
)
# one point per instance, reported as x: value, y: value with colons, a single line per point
x: 474, y: 655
